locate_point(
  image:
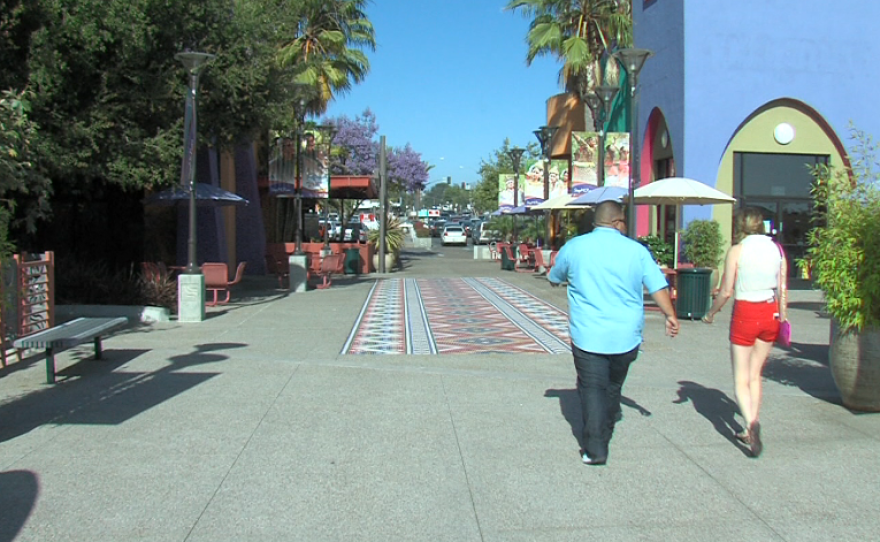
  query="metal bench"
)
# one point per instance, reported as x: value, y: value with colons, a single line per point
x: 68, y: 335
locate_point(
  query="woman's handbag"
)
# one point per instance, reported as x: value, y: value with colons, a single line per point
x: 784, y: 336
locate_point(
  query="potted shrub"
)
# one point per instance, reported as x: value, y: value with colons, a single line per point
x: 703, y: 248
x: 703, y: 244
x: 845, y: 265
x: 660, y: 249
x: 394, y: 238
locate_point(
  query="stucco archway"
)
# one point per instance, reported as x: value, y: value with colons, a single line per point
x: 761, y: 166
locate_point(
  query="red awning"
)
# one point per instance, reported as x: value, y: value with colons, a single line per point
x: 353, y: 187
x: 343, y: 186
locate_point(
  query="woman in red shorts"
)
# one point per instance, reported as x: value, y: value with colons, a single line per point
x: 753, y: 269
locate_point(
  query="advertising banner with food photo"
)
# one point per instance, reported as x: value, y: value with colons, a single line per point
x: 505, y: 191
x: 534, y: 180
x: 617, y: 159
x: 584, y: 162
x: 282, y: 167
x: 316, y: 166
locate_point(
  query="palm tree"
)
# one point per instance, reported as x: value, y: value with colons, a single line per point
x: 326, y: 53
x: 579, y: 33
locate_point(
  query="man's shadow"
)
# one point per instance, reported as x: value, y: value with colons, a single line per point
x: 570, y: 407
x: 715, y: 406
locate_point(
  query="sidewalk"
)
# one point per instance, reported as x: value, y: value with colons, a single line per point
x: 252, y: 426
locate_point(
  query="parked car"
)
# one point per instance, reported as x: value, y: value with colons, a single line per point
x: 335, y: 229
x: 355, y: 232
x: 484, y: 235
x: 453, y: 235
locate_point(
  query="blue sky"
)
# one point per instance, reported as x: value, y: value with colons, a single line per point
x: 450, y: 78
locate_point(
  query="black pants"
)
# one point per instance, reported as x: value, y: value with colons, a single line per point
x: 600, y: 379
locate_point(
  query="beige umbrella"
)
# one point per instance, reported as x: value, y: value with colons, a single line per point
x: 559, y: 202
x: 679, y: 191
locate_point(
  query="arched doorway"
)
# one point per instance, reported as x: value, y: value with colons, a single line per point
x: 663, y: 220
x: 767, y: 165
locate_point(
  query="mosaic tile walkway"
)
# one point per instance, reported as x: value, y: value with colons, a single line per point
x: 456, y: 316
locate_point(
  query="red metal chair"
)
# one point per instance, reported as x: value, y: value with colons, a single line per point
x: 539, y: 261
x: 280, y: 267
x: 526, y: 261
x: 332, y: 263
x: 217, y: 280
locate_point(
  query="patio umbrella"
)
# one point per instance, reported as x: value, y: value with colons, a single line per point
x: 679, y: 191
x: 559, y: 202
x: 603, y: 193
x: 206, y: 196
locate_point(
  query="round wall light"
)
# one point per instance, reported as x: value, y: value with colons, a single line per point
x: 783, y: 133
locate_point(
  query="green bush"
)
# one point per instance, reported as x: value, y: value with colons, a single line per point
x: 703, y: 243
x: 662, y: 251
x: 844, y: 240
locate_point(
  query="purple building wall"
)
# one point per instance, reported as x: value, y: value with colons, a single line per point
x: 717, y: 62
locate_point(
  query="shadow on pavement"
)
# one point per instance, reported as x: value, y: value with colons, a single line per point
x: 18, y: 495
x: 570, y: 407
x: 806, y: 367
x: 715, y: 406
x: 94, y: 393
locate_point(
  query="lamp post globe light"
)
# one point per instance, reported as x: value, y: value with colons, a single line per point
x: 633, y: 60
x: 515, y: 155
x: 191, y: 284
x: 545, y: 137
x: 328, y: 132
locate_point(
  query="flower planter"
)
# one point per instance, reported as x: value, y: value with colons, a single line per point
x: 855, y: 366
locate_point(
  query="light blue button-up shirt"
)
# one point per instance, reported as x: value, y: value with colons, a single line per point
x: 606, y: 273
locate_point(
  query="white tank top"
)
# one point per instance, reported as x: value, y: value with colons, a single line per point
x: 757, y: 271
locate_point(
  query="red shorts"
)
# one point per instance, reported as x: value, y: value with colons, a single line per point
x: 754, y: 320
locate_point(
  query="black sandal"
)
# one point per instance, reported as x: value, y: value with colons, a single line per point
x: 756, y: 445
x: 743, y: 436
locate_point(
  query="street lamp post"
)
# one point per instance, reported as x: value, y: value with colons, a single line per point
x: 300, y: 120
x: 601, y: 98
x: 545, y: 137
x: 633, y: 60
x: 328, y: 132
x: 191, y: 284
x: 515, y: 155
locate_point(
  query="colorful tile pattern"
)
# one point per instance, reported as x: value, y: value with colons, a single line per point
x: 456, y: 316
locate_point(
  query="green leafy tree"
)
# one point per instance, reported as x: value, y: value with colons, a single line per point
x: 577, y: 33
x: 23, y: 186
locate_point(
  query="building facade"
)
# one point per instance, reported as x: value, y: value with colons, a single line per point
x: 744, y: 96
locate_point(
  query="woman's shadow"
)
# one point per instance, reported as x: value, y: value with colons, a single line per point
x: 715, y: 406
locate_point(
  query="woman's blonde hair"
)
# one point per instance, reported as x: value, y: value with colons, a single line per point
x: 748, y: 221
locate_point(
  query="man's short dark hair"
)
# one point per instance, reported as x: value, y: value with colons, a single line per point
x: 607, y: 212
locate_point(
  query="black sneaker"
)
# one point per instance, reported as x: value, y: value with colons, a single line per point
x: 590, y: 461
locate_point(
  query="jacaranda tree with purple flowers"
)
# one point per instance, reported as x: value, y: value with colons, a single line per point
x: 407, y: 170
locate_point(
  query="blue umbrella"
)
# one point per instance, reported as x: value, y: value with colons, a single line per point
x: 206, y: 195
x: 521, y: 210
x: 598, y: 195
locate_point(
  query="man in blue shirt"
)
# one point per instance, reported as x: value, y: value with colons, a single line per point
x: 606, y: 273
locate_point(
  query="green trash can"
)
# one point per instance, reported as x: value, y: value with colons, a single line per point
x: 352, y: 263
x: 694, y: 293
x: 506, y: 263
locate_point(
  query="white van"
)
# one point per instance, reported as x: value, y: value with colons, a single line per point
x: 482, y: 235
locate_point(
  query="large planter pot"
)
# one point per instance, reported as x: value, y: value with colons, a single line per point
x: 390, y: 259
x: 855, y: 366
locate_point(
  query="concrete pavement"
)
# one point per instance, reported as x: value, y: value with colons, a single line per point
x: 251, y: 426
